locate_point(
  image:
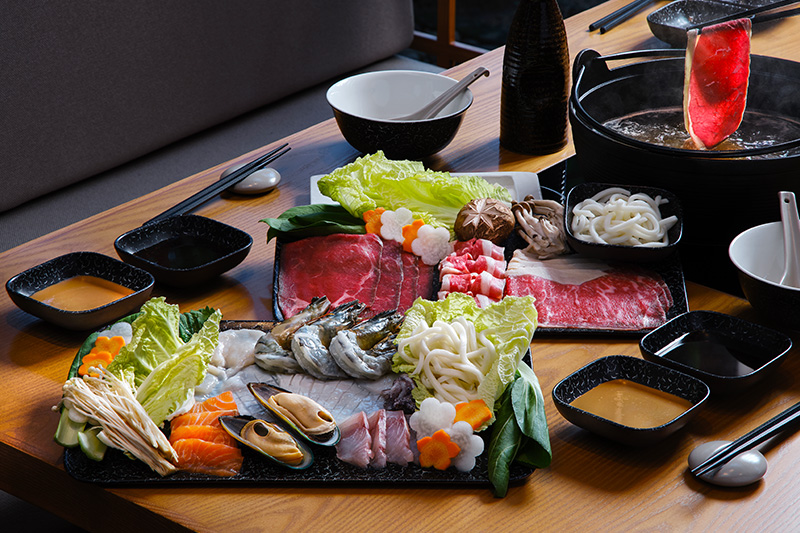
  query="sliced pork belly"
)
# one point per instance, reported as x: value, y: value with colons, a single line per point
x: 389, y: 288
x: 574, y: 292
x: 478, y: 247
x: 355, y: 445
x: 377, y: 428
x: 398, y: 439
x: 340, y: 266
x: 483, y: 283
x: 465, y: 264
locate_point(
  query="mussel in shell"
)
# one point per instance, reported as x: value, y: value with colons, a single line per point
x: 269, y: 439
x: 304, y: 415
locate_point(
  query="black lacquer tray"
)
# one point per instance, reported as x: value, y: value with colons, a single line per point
x: 116, y: 469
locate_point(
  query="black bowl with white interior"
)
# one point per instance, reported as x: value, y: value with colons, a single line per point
x: 758, y: 255
x: 366, y: 105
x: 618, y: 252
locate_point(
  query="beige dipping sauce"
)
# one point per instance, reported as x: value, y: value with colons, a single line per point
x: 631, y: 404
x: 81, y: 293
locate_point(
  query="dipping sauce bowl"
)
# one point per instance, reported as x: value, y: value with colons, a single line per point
x: 726, y: 352
x: 185, y: 250
x: 74, y: 280
x: 668, y: 399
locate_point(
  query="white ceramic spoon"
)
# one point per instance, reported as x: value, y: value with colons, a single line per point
x: 439, y: 103
x: 791, y: 240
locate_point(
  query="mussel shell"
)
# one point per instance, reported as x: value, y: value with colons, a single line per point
x: 233, y: 426
x: 262, y: 392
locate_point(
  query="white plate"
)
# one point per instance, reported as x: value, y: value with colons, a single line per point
x: 519, y: 184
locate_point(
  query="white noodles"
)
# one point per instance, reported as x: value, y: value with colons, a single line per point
x: 451, y: 359
x: 615, y: 216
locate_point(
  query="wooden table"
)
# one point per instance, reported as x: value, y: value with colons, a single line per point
x: 592, y: 483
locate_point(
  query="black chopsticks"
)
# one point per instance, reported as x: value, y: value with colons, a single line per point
x: 748, y: 441
x: 748, y: 13
x: 620, y: 15
x: 196, y: 200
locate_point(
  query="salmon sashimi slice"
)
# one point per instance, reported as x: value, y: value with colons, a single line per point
x: 716, y: 77
x: 211, y: 433
x: 204, y: 418
x: 221, y: 402
x: 203, y: 457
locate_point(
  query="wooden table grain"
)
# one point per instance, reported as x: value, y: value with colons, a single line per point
x: 592, y: 484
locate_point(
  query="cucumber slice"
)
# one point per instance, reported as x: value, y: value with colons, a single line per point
x: 67, y: 431
x: 90, y: 444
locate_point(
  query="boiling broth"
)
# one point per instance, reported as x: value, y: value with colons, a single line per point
x: 81, y: 293
x: 631, y: 404
x: 665, y: 127
x: 711, y: 352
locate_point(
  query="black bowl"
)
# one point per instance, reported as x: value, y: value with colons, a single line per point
x: 185, y: 250
x: 22, y: 286
x: 632, y: 369
x: 727, y: 353
x: 365, y: 107
x: 616, y: 252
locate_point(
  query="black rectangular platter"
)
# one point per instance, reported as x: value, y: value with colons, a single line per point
x: 116, y: 469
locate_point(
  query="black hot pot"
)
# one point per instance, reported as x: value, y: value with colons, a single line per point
x: 723, y: 192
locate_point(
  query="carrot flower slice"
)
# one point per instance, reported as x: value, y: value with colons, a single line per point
x: 437, y: 450
x: 103, y: 352
x: 476, y: 413
x: 410, y: 233
x: 373, y: 220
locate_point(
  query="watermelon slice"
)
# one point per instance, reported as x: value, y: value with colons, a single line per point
x: 715, y: 83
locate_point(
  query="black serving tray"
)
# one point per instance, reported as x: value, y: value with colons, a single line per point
x: 116, y: 469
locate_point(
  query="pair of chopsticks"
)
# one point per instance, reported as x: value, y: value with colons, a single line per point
x: 196, y: 200
x: 749, y: 13
x: 749, y: 441
x: 620, y: 15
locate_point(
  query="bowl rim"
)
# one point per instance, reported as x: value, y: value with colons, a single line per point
x: 747, y: 272
x: 422, y: 73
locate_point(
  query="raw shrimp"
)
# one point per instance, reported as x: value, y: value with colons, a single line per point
x: 310, y: 342
x: 366, y: 350
x: 274, y: 348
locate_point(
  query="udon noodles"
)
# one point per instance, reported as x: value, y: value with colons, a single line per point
x: 615, y: 216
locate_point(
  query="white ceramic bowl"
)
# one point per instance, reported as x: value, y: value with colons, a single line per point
x: 757, y: 253
x: 365, y: 105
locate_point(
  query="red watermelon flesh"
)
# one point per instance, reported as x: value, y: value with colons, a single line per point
x: 715, y: 84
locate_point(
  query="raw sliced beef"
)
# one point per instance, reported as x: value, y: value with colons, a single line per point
x: 355, y: 445
x: 573, y: 292
x: 427, y: 274
x: 387, y: 294
x: 715, y: 82
x: 377, y: 429
x: 408, y: 290
x: 398, y: 439
x: 342, y: 267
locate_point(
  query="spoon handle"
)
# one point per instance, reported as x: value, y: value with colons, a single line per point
x: 439, y: 103
x: 791, y: 239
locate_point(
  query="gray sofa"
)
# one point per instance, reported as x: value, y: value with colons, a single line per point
x: 106, y: 100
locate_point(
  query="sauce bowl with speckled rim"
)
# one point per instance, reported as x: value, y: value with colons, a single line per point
x: 365, y: 106
x: 633, y: 369
x: 23, y: 286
